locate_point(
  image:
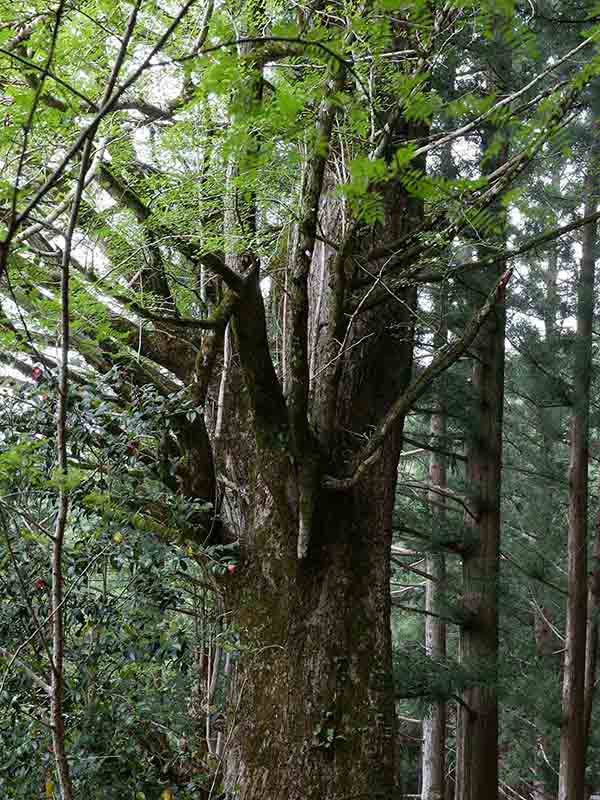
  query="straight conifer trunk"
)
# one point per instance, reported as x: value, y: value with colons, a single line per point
x: 477, y: 748
x: 572, y: 737
x: 591, y: 647
x: 434, y: 725
x: 593, y: 601
x: 477, y: 728
x: 547, y: 644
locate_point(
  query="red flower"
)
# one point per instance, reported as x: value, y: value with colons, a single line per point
x: 231, y: 568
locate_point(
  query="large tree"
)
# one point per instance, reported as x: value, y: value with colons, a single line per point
x: 244, y: 203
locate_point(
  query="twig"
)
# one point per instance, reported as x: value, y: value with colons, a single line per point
x: 27, y: 670
x: 27, y: 128
x: 30, y: 608
x: 87, y: 131
x: 50, y: 616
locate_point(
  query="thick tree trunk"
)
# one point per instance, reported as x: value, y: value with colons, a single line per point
x: 434, y: 725
x: 572, y: 738
x: 315, y: 714
x: 314, y: 710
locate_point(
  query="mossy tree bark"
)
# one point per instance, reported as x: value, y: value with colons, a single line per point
x: 314, y: 701
x: 315, y: 711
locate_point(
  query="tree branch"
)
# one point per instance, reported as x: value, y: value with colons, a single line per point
x: 27, y: 670
x: 89, y: 130
x: 441, y: 362
x: 507, y: 255
x: 126, y: 196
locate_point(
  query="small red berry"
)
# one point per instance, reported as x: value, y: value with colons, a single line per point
x: 41, y: 584
x: 231, y: 568
x: 36, y: 372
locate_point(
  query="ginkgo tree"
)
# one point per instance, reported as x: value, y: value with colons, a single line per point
x: 234, y: 205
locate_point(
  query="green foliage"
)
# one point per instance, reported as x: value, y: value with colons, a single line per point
x: 207, y: 152
x: 131, y: 642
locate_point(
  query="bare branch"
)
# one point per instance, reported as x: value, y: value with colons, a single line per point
x: 125, y: 195
x: 462, y: 131
x: 84, y: 134
x: 27, y: 670
x: 507, y: 255
x: 50, y: 74
x: 442, y: 361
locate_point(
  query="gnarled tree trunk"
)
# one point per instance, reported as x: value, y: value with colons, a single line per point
x: 314, y: 710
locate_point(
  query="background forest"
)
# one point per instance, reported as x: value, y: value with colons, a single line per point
x: 299, y: 420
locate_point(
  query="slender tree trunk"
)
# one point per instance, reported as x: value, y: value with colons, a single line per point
x: 572, y: 738
x: 593, y: 601
x: 434, y: 725
x: 477, y: 771
x: 591, y: 647
x: 57, y: 681
x: 547, y: 644
x: 477, y: 729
